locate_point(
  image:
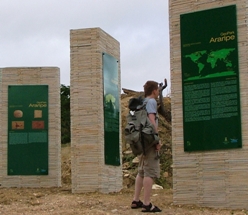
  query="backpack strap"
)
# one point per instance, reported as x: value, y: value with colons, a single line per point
x: 142, y: 140
x: 145, y: 118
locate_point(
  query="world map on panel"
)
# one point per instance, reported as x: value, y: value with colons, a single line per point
x: 209, y: 62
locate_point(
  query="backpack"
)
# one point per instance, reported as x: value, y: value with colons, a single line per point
x: 139, y: 131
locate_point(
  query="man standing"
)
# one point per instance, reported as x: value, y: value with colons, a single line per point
x: 148, y: 168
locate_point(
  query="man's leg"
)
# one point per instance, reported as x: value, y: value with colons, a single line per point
x: 138, y: 187
x: 147, y: 183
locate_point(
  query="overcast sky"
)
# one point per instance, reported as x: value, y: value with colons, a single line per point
x: 37, y: 33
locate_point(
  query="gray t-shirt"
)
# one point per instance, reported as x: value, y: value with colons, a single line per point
x: 151, y: 107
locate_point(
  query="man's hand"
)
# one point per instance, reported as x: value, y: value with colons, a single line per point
x: 158, y: 146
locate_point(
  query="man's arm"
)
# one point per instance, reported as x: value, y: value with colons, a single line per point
x: 152, y: 118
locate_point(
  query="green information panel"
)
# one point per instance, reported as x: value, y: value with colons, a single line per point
x: 210, y: 80
x: 111, y: 110
x: 28, y: 130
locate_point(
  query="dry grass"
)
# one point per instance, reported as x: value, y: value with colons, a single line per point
x: 66, y: 164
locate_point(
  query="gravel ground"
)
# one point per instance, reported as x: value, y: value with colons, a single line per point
x: 29, y: 201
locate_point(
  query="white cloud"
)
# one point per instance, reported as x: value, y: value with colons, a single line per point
x: 36, y: 33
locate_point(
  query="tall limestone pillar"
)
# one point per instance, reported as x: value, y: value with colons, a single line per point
x: 95, y: 111
x: 208, y: 50
x: 30, y: 127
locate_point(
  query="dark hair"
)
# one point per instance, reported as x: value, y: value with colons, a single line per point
x: 149, y: 87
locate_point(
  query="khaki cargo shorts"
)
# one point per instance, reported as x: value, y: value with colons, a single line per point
x: 149, y: 165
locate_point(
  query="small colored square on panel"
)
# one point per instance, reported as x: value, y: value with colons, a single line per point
x: 17, y: 124
x: 37, y: 113
x: 38, y: 125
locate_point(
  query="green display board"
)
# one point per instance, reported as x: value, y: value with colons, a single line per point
x: 28, y: 130
x: 210, y: 79
x: 111, y: 110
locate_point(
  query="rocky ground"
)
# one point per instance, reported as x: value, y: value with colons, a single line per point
x: 40, y: 201
x: 30, y: 201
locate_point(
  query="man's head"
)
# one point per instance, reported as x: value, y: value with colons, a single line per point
x: 151, y: 89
